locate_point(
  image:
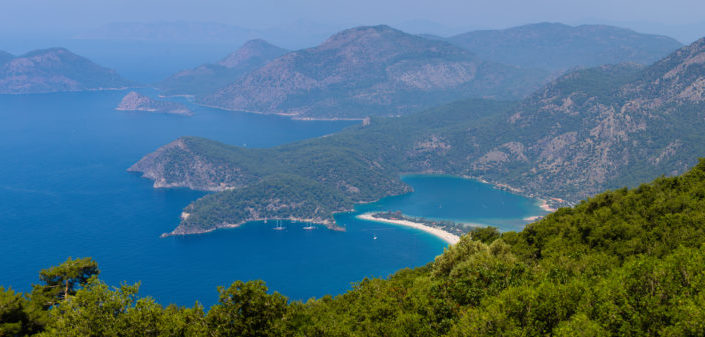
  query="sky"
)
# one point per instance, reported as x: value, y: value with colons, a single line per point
x: 47, y: 17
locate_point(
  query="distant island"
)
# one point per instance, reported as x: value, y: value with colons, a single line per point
x: 134, y: 101
x: 55, y: 70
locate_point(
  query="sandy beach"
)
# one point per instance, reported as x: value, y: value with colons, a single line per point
x: 544, y: 206
x: 443, y: 235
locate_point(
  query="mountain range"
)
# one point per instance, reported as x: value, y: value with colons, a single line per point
x: 378, y: 70
x: 608, y: 126
x: 374, y: 70
x: 209, y: 77
x: 54, y: 70
x: 559, y: 47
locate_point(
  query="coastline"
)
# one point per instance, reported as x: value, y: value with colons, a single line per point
x: 441, y: 234
x: 543, y: 204
x: 293, y: 116
x: 328, y: 224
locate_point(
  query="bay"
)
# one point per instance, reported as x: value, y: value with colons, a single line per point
x: 64, y: 192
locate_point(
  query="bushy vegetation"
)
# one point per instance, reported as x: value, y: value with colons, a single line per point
x: 624, y: 263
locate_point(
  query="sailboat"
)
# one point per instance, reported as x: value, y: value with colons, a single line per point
x: 279, y: 226
x: 309, y: 227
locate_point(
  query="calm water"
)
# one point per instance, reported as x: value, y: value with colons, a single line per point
x: 64, y: 192
x: 461, y: 200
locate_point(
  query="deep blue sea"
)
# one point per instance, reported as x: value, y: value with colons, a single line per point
x: 64, y: 192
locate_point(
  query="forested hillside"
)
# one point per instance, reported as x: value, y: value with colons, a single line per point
x: 628, y: 262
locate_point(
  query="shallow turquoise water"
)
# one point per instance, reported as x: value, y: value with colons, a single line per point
x: 462, y: 200
x: 64, y: 192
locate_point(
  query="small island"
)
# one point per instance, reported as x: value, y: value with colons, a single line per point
x: 134, y: 101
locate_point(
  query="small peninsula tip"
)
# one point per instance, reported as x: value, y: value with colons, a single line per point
x: 134, y: 101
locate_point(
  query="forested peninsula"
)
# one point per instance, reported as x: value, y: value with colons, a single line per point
x: 627, y: 262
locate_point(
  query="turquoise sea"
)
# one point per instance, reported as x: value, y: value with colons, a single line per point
x: 64, y: 192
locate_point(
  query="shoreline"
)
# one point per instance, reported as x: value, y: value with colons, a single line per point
x: 293, y: 116
x: 328, y: 224
x: 543, y: 204
x: 439, y: 233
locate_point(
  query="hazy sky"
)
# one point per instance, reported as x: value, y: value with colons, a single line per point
x: 65, y: 16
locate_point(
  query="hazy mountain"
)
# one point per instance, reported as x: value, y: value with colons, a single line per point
x: 209, y: 77
x: 556, y: 46
x: 55, y: 69
x: 5, y: 57
x: 595, y: 128
x: 371, y: 71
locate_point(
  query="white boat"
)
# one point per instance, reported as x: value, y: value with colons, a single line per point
x: 279, y: 226
x: 309, y: 227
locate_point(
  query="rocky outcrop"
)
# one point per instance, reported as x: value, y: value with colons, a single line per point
x: 134, y: 101
x: 55, y: 70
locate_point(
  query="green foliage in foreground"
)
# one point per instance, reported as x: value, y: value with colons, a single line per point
x: 624, y: 263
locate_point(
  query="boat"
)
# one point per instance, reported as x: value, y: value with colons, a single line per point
x: 279, y: 226
x: 309, y: 227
